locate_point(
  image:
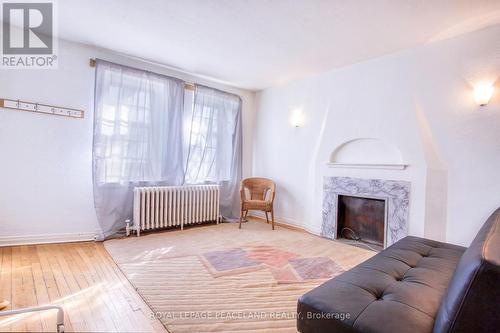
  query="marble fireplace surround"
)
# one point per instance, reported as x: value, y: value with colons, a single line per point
x: 395, y: 193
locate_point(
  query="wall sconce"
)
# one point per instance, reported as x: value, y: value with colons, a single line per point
x: 483, y: 93
x: 297, y: 118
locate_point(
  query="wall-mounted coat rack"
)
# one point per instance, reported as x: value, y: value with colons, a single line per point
x: 40, y: 108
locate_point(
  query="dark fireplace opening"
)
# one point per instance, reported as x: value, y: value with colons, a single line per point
x: 361, y: 219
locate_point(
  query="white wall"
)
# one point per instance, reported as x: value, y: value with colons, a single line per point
x: 46, y: 161
x: 421, y: 101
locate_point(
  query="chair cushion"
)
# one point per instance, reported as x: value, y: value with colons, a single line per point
x: 473, y: 297
x: 397, y: 290
x: 257, y: 205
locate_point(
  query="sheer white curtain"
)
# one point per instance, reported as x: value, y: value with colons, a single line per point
x: 138, y: 129
x: 213, y: 133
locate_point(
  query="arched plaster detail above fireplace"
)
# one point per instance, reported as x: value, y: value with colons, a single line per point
x: 367, y: 153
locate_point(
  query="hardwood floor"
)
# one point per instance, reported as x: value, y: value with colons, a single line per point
x: 82, y: 278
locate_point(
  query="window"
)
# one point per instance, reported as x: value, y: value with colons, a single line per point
x: 211, y: 135
x: 135, y: 113
x: 148, y: 128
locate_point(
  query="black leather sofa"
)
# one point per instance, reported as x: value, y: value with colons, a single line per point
x: 416, y: 285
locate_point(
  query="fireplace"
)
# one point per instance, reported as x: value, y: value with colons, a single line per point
x: 361, y: 219
x: 394, y: 193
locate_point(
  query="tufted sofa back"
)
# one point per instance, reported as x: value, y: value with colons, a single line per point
x: 472, y: 300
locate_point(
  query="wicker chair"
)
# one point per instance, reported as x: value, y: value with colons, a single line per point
x: 262, y: 192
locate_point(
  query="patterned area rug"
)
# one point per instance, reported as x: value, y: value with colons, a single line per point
x: 285, y: 266
x: 219, y: 278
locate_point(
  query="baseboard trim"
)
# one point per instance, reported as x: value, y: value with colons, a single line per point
x: 47, y: 238
x: 284, y: 222
x: 91, y: 236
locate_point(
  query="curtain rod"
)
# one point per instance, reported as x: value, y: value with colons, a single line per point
x: 187, y: 86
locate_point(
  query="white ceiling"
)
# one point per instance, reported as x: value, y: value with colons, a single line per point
x: 254, y: 44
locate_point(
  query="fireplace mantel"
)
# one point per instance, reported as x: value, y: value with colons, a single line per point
x: 367, y: 166
x: 395, y: 192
